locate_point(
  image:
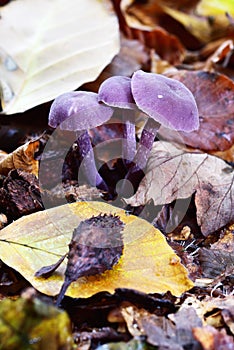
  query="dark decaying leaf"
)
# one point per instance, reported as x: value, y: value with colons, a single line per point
x: 96, y: 246
x: 214, y: 94
x: 20, y: 194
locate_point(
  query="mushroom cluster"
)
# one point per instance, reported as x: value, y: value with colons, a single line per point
x: 164, y: 101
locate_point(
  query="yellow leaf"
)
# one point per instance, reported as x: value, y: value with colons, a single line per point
x: 215, y: 7
x: 50, y: 47
x: 148, y: 264
x: 21, y: 158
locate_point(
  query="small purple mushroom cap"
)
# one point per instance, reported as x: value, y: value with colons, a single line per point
x: 168, y: 101
x: 116, y: 92
x: 78, y: 110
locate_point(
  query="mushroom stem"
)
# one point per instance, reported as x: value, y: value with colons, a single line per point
x: 129, y: 137
x: 88, y: 162
x: 136, y: 173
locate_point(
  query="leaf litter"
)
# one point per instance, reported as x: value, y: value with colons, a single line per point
x: 101, y: 318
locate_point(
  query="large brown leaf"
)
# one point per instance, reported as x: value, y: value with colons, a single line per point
x: 172, y: 174
x: 214, y: 94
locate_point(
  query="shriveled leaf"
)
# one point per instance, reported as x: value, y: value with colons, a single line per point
x: 148, y: 264
x: 213, y: 93
x: 57, y: 49
x: 96, y: 246
x: 31, y: 324
x: 173, y: 174
x: 22, y: 158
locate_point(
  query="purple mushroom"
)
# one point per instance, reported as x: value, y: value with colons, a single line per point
x: 116, y: 92
x: 167, y: 102
x: 79, y: 111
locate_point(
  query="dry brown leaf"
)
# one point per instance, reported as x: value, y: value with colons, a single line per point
x: 213, y: 93
x: 22, y: 158
x: 148, y: 264
x: 172, y: 174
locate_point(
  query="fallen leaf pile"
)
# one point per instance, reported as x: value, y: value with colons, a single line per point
x: 166, y: 282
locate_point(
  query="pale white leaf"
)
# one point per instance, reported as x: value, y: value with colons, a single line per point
x: 50, y: 47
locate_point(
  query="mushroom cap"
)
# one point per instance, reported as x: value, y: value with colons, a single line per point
x: 78, y: 110
x: 166, y: 100
x: 116, y: 92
